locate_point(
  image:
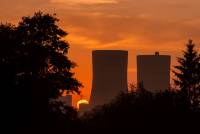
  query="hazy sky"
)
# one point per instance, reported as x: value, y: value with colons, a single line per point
x: 139, y: 26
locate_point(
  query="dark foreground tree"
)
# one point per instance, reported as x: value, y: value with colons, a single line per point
x: 188, y: 75
x: 139, y: 112
x: 34, y: 67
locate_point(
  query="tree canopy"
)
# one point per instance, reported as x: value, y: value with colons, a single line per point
x: 34, y: 66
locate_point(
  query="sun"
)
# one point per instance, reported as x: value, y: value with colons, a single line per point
x: 81, y: 102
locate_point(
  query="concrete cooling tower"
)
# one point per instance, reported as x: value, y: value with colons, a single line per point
x: 153, y: 72
x: 109, y: 75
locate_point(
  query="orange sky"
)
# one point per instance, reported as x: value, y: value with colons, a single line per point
x: 139, y: 26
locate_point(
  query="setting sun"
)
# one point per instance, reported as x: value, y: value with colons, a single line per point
x: 81, y: 102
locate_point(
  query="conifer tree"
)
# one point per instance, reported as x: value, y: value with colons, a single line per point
x: 187, y: 74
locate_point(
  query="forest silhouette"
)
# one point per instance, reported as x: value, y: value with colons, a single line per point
x: 35, y: 71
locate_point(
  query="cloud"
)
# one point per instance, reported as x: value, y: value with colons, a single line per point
x: 99, y: 30
x: 87, y: 2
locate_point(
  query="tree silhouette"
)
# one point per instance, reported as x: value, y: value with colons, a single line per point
x: 142, y: 112
x: 34, y: 67
x: 187, y: 73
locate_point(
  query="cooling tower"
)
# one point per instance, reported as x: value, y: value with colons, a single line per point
x: 109, y: 75
x: 153, y: 72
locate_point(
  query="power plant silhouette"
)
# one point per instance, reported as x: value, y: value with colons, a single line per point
x: 110, y: 75
x: 153, y: 72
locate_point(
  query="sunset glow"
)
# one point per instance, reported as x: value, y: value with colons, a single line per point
x: 81, y: 102
x: 139, y: 26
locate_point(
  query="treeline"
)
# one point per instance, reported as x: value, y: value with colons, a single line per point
x: 133, y: 112
x: 144, y: 112
x: 35, y: 71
